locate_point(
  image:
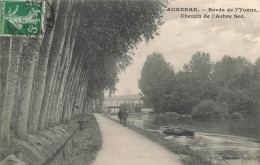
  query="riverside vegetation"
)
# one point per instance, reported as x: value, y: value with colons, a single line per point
x: 226, y: 89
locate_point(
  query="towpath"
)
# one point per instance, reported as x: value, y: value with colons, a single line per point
x: 123, y: 146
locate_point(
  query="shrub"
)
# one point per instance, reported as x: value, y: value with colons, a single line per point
x: 171, y: 115
x: 184, y: 118
x: 160, y: 116
x: 236, y: 116
x: 209, y: 109
x: 138, y: 108
x: 239, y: 100
x: 131, y: 107
x: 221, y: 111
x: 128, y: 106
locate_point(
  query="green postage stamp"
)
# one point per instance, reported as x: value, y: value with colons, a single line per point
x: 21, y: 17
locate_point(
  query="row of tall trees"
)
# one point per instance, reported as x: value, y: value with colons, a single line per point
x: 45, y: 81
x: 204, y: 88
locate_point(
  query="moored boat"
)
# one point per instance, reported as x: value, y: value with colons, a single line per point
x: 178, y: 132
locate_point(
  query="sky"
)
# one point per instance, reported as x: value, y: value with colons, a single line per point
x: 180, y: 38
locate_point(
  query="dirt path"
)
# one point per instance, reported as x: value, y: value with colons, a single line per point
x: 122, y: 146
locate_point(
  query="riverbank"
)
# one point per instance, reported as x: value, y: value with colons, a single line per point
x: 189, y: 156
x: 49, y: 147
x: 76, y: 142
x: 88, y: 143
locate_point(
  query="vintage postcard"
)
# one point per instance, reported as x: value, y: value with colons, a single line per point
x: 129, y: 82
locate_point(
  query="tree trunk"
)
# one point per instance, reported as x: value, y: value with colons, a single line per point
x: 68, y: 86
x: 16, y: 101
x: 17, y: 45
x: 68, y: 53
x: 54, y: 56
x: 62, y: 69
x: 50, y: 117
x: 40, y: 76
x: 5, y: 63
x: 30, y: 56
x: 15, y: 48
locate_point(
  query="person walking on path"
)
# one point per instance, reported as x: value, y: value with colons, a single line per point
x: 122, y: 115
x: 123, y: 146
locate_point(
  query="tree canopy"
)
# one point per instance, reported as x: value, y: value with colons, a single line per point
x: 230, y: 86
x: 111, y: 30
x: 156, y: 77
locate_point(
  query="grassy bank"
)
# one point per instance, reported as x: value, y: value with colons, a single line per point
x: 189, y: 156
x: 87, y: 143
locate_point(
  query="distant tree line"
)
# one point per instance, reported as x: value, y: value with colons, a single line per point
x: 45, y: 81
x: 228, y: 88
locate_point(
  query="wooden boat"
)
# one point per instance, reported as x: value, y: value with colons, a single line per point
x: 178, y: 132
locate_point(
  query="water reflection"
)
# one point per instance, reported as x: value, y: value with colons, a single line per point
x: 215, y: 139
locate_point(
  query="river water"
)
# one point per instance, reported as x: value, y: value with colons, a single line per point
x: 224, y: 143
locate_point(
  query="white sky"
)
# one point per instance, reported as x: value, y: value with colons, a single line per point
x: 181, y: 37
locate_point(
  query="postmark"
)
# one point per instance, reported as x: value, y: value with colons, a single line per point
x: 22, y: 18
x: 49, y: 19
